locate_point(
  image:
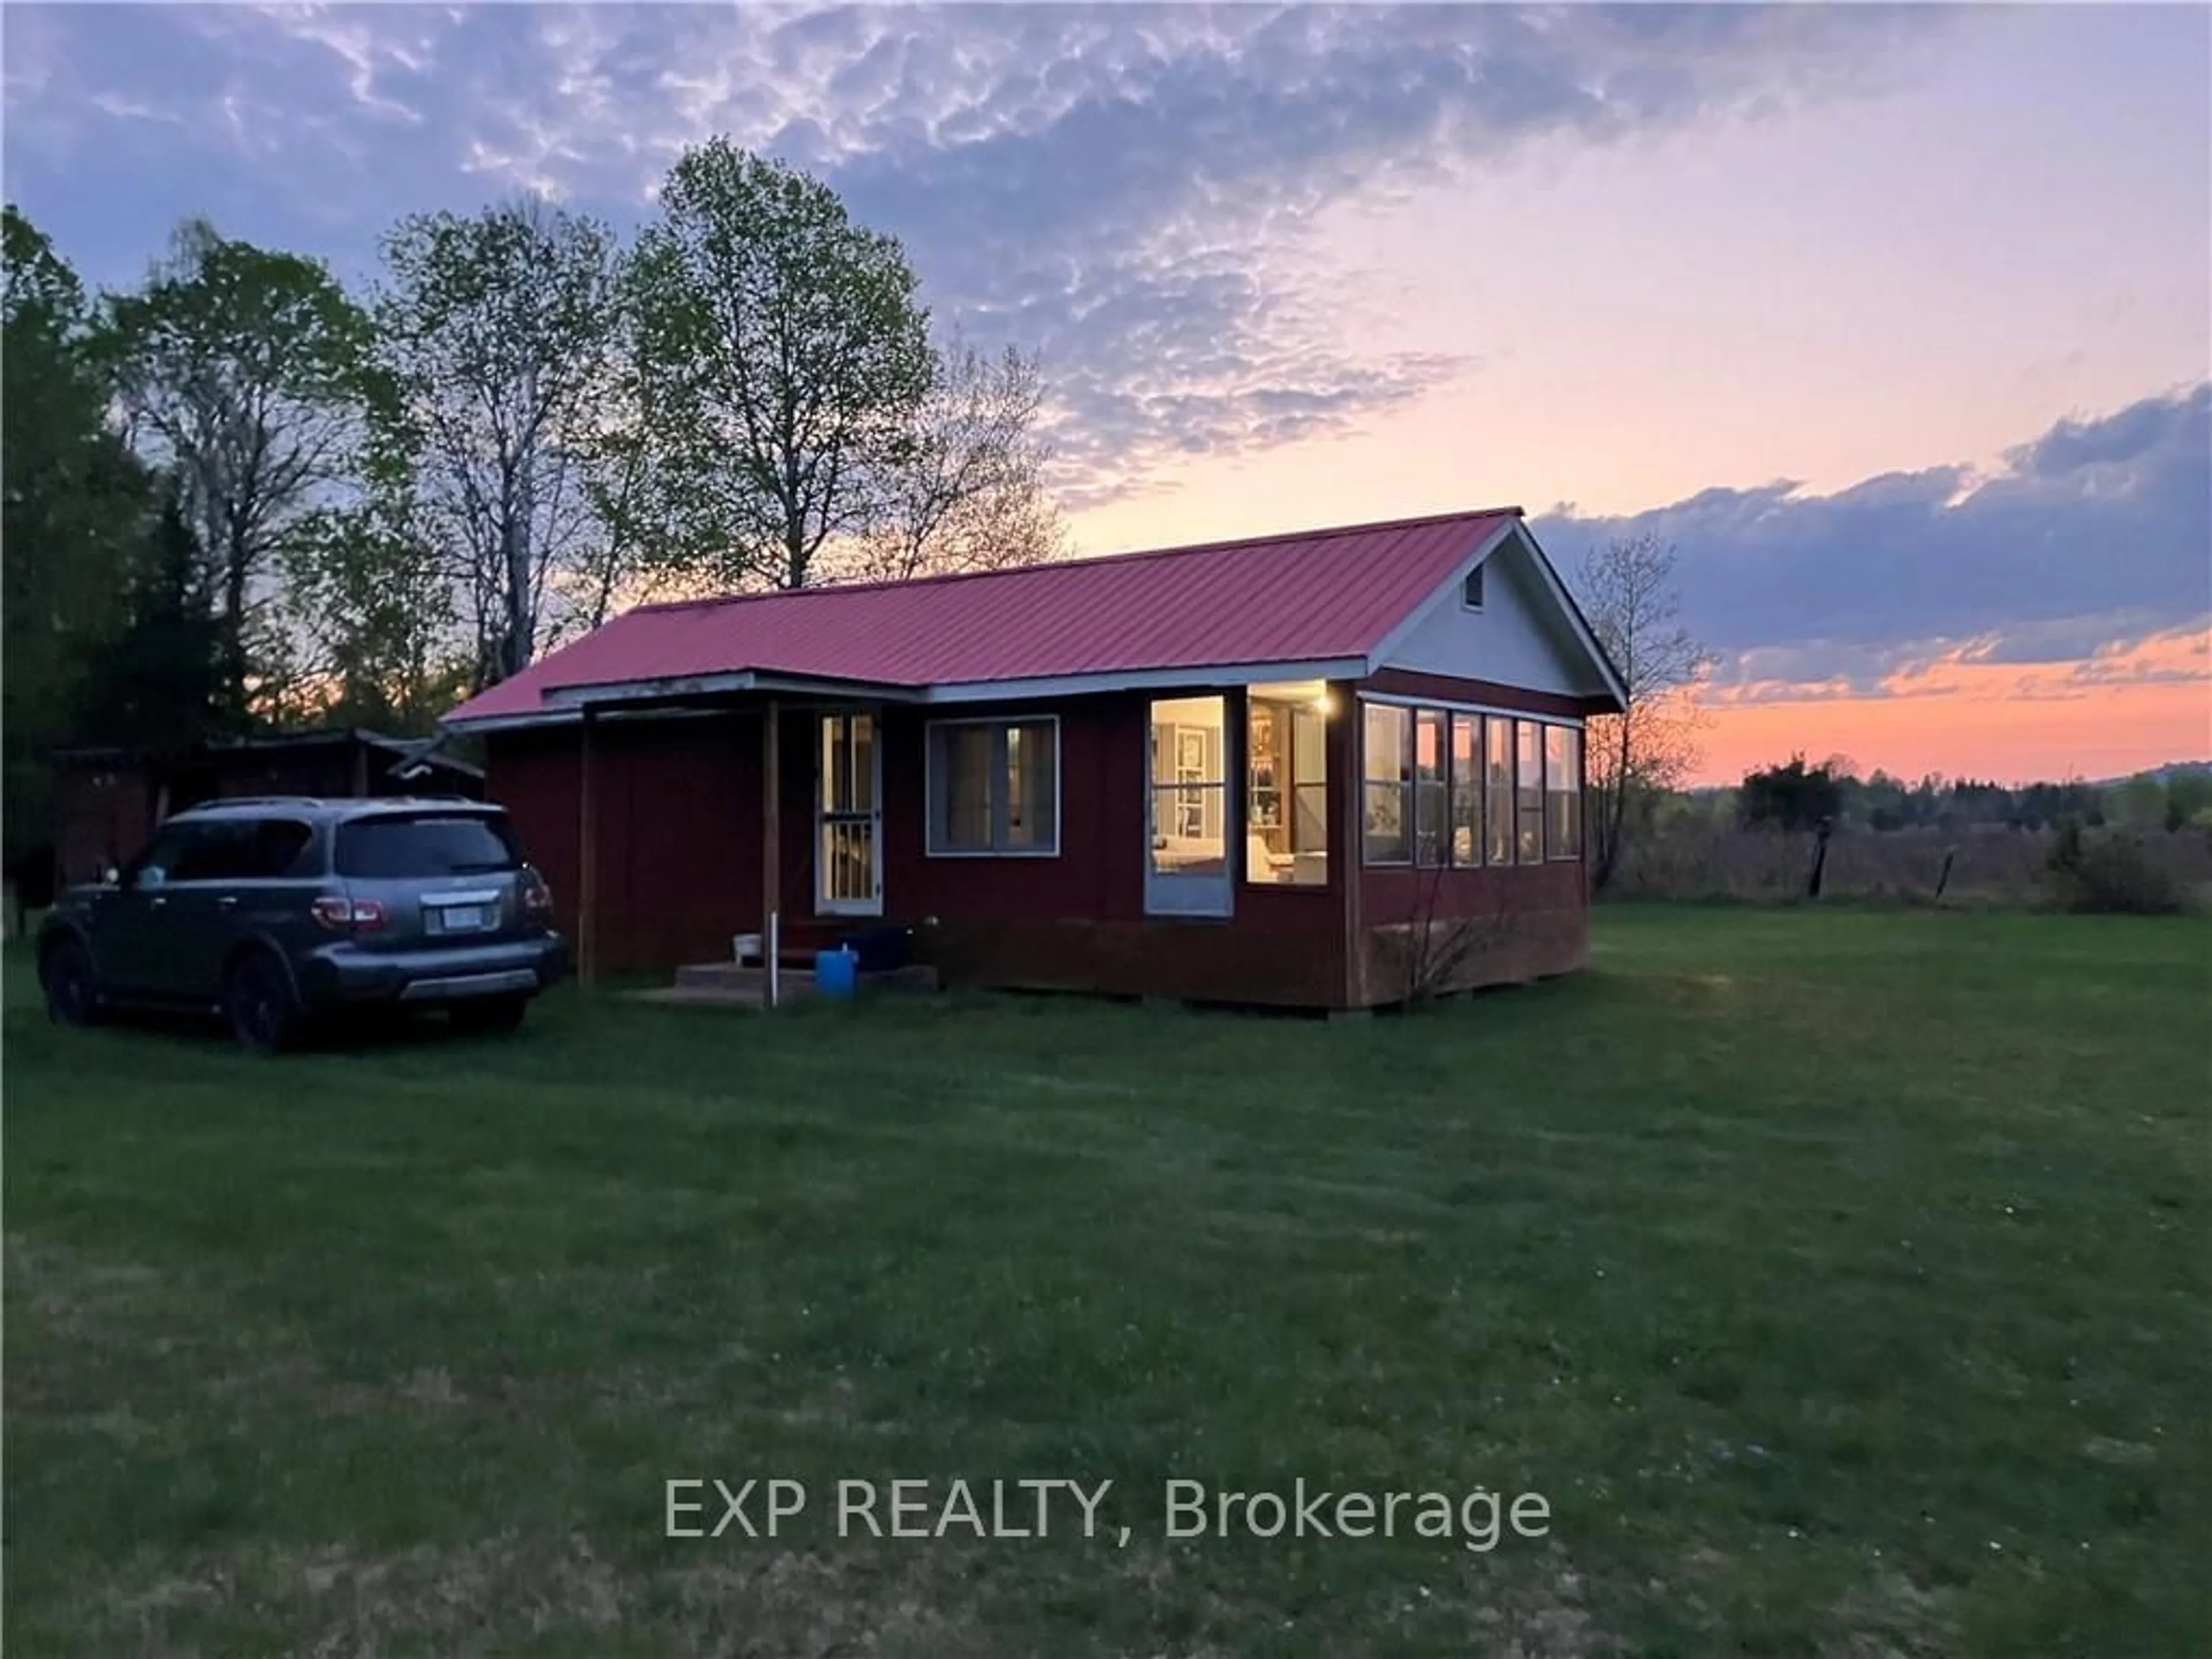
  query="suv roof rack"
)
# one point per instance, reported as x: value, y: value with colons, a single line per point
x: 251, y: 800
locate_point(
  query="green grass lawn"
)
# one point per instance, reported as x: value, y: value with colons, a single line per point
x: 1839, y: 1279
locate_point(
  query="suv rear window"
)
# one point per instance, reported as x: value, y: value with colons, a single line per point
x: 387, y: 848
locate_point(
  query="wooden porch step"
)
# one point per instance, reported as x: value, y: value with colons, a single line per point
x: 800, y: 940
x: 734, y: 979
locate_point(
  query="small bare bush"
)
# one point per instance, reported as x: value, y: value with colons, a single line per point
x: 2110, y: 872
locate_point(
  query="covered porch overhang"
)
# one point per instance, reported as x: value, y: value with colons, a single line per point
x: 586, y: 710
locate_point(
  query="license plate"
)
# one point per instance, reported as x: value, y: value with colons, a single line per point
x: 462, y: 918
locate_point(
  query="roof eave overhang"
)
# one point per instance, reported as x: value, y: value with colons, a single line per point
x: 567, y: 705
x: 1194, y: 676
x: 735, y: 682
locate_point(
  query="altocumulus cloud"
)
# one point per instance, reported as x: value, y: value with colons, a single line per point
x: 2094, y: 539
x: 1126, y: 188
x: 1131, y: 190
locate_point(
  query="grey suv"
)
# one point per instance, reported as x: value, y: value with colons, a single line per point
x: 275, y: 912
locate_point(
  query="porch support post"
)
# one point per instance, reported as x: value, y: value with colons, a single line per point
x: 588, y: 855
x: 1347, y: 849
x: 771, y: 850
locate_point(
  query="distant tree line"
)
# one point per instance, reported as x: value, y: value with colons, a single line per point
x: 1798, y: 796
x: 240, y: 497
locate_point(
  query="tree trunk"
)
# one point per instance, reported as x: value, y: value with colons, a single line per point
x: 794, y: 548
x: 1616, y: 817
x: 232, y: 689
x: 518, y: 624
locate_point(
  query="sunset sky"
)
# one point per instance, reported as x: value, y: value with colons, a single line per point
x: 1897, y: 323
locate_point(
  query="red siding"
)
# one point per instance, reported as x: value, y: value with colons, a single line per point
x: 1099, y: 873
x: 1406, y: 682
x: 679, y: 825
x: 533, y: 775
x: 105, y: 815
x: 678, y: 831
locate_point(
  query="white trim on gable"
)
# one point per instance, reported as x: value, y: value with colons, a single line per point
x: 1526, y: 634
x: 1450, y: 593
x: 1565, y: 601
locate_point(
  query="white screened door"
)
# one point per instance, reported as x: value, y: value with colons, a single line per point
x: 849, y: 818
x: 1187, y: 870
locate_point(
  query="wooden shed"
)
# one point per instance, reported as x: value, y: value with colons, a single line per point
x: 107, y: 800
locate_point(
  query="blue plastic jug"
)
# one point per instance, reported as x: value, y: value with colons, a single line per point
x: 836, y: 973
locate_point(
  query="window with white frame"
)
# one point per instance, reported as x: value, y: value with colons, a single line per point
x: 995, y: 786
x: 1562, y: 792
x: 1190, y: 788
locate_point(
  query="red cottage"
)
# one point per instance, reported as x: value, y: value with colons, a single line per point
x: 1330, y: 769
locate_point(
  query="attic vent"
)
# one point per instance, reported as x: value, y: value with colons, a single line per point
x: 1471, y: 592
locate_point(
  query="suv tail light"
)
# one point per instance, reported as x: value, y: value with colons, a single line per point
x: 536, y: 897
x: 344, y: 916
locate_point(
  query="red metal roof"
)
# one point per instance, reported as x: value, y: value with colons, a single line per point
x: 1310, y: 596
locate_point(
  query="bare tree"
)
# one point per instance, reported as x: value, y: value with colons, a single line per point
x: 1443, y: 946
x: 966, y: 489
x: 1627, y: 590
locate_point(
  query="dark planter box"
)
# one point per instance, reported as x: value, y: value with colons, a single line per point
x: 880, y: 949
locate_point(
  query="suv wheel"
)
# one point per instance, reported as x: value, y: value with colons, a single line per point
x: 71, y: 984
x: 487, y: 1014
x: 257, y: 1002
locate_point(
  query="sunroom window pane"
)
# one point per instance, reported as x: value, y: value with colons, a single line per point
x: 1467, y: 789
x: 1388, y: 784
x: 1498, y: 796
x: 1432, y: 806
x: 1528, y: 791
x: 1563, y: 828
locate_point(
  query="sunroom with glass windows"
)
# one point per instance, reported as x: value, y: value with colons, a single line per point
x: 1464, y: 788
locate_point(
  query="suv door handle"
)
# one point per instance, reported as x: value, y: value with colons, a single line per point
x: 158, y: 902
x: 227, y: 903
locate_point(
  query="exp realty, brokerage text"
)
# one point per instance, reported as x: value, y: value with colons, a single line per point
x: 711, y: 1507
